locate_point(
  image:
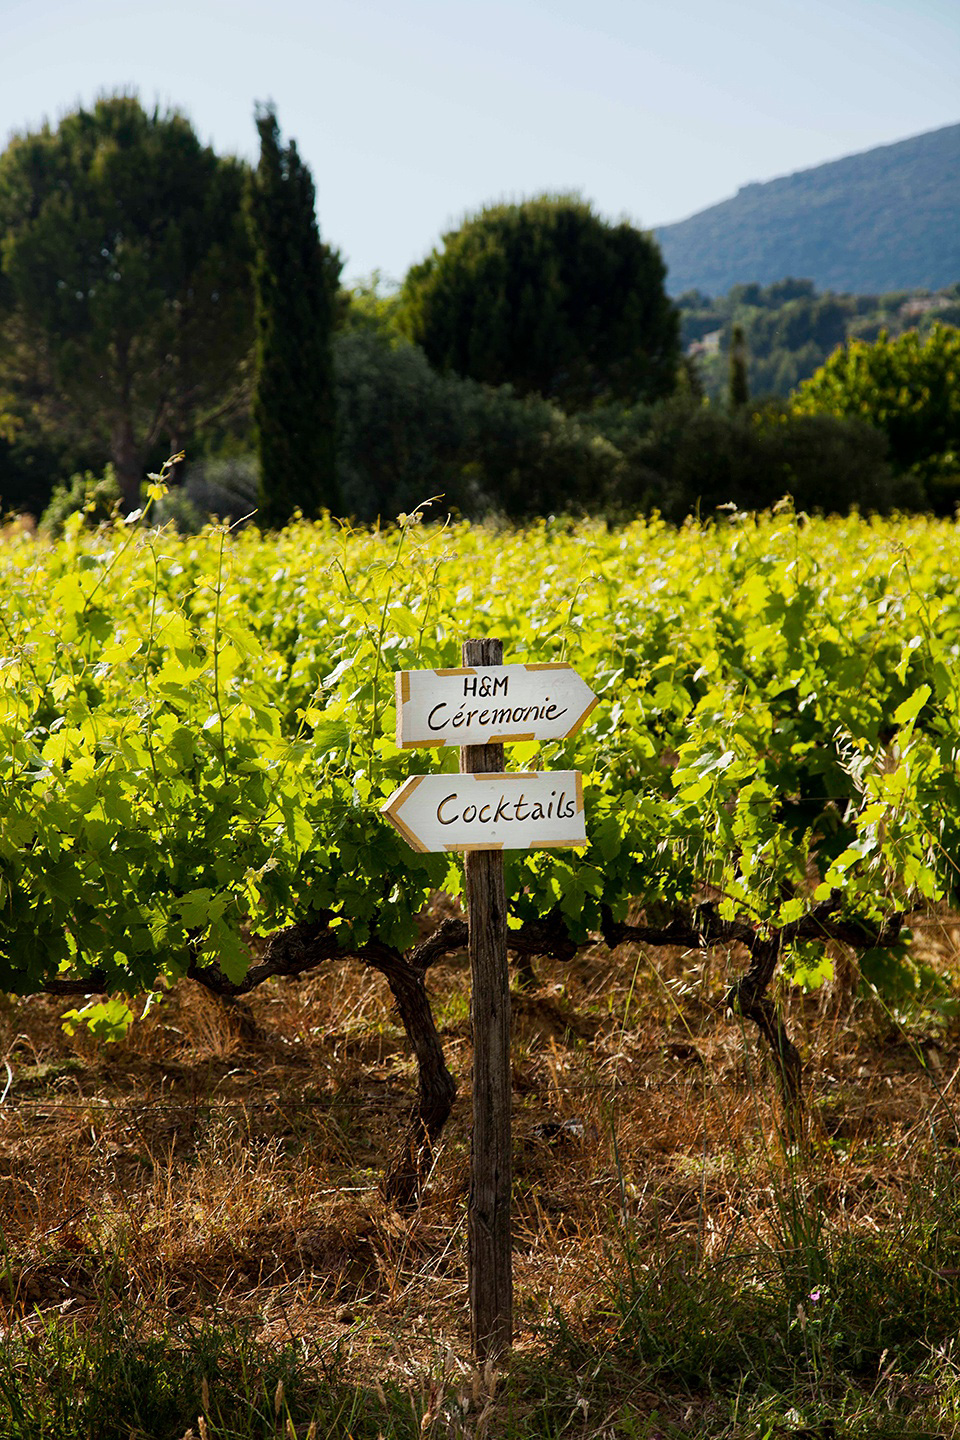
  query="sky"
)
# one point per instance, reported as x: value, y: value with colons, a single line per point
x: 414, y: 113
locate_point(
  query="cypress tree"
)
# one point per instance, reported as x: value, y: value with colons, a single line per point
x: 295, y: 281
x: 739, y: 386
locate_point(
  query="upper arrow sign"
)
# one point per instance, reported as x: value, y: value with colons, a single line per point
x: 510, y: 811
x: 490, y: 705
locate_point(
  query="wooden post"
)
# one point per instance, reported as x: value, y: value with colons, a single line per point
x: 491, y: 1157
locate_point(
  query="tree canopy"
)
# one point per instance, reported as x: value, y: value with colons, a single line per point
x: 125, y: 298
x: 908, y: 388
x: 550, y: 298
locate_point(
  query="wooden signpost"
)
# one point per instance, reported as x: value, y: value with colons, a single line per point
x: 513, y: 811
x: 473, y: 706
x: 483, y: 812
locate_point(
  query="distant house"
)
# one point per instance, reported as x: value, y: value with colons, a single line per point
x: 707, y: 345
x: 922, y: 305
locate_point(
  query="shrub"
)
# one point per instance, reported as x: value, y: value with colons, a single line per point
x: 98, y: 498
x: 685, y: 456
x: 833, y: 465
x: 406, y: 433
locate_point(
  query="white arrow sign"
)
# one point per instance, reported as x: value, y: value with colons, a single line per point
x: 514, y: 811
x: 490, y: 705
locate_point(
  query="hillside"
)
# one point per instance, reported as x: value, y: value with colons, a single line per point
x: 887, y: 219
x: 789, y: 329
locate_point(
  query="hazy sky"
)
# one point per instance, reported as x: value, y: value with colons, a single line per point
x: 411, y: 113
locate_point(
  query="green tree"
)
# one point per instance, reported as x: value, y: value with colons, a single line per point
x: 549, y: 298
x: 125, y: 300
x: 295, y: 283
x: 909, y: 389
x: 373, y: 304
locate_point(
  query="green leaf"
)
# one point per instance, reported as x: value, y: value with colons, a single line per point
x: 906, y: 713
x: 809, y: 967
x: 224, y: 945
x: 194, y: 908
x: 330, y: 734
x: 108, y: 1020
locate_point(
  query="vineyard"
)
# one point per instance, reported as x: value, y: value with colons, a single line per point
x: 199, y: 734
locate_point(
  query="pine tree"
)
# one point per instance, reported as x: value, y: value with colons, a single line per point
x: 126, y: 308
x: 548, y: 297
x: 295, y: 282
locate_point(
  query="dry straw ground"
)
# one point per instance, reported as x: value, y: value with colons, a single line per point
x: 224, y: 1160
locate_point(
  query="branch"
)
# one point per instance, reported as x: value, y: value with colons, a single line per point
x: 293, y: 951
x: 704, y: 928
x: 548, y: 936
x: 449, y: 936
x: 93, y: 983
x: 309, y: 944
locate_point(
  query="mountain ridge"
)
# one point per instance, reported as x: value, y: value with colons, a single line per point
x: 880, y: 220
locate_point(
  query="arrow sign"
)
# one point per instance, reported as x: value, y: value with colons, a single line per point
x: 515, y: 811
x: 490, y: 705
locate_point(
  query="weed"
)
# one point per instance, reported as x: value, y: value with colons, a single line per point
x: 196, y: 1206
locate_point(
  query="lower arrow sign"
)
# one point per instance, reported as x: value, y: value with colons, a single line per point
x: 514, y: 811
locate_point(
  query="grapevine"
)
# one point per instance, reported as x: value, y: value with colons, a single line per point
x: 197, y: 740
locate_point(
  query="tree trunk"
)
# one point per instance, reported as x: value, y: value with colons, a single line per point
x: 436, y: 1090
x: 749, y: 996
x: 126, y: 462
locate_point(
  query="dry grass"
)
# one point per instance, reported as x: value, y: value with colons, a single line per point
x: 224, y: 1160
